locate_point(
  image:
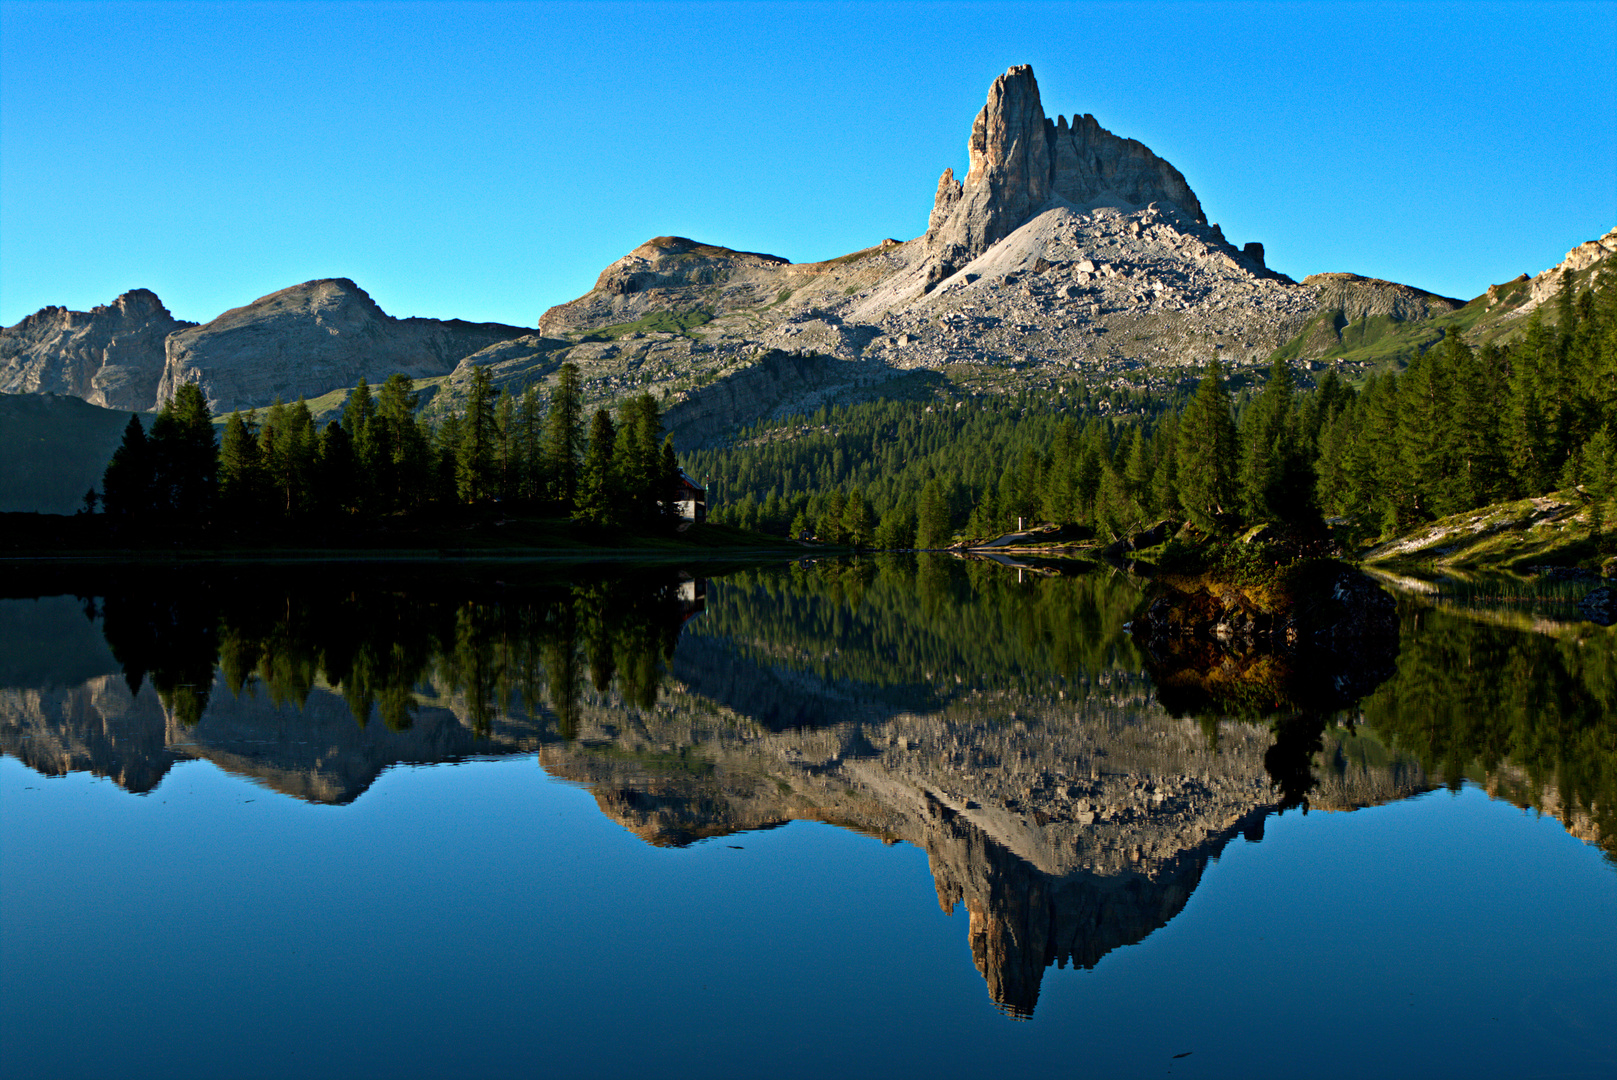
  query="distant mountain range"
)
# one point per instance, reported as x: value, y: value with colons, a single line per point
x: 1065, y: 252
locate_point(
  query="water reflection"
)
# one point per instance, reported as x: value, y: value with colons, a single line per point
x: 1068, y: 790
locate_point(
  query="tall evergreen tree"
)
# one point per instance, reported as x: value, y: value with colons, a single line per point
x: 1207, y: 453
x: 599, y: 499
x: 185, y: 456
x: 126, y: 486
x: 475, y: 456
x: 932, y: 528
x: 404, y: 456
x: 336, y: 471
x: 243, y: 484
x: 507, y: 448
x: 563, y: 434
x: 856, y: 524
x: 530, y: 426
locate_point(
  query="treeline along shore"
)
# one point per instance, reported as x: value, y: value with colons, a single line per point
x: 1458, y: 428
x: 381, y: 473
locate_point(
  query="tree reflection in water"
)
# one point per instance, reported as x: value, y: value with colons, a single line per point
x: 1069, y: 791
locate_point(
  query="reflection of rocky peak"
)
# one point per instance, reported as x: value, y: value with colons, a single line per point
x: 1065, y: 829
x: 97, y: 727
x: 311, y: 750
x: 1019, y: 160
x: 111, y: 355
x: 1023, y: 921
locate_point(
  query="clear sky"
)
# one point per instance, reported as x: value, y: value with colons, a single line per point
x: 485, y: 161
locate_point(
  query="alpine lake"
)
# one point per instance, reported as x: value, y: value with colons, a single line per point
x: 895, y: 816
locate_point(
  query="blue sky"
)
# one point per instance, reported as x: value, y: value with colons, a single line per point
x: 485, y: 161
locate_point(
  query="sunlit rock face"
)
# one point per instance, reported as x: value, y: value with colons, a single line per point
x: 111, y: 355
x: 1019, y: 161
x: 310, y: 339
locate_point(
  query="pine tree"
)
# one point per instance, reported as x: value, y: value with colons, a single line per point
x: 830, y: 528
x: 1528, y: 435
x: 185, y: 456
x: 563, y: 436
x: 932, y: 528
x: 404, y: 453
x: 1423, y: 441
x: 442, y: 483
x: 1207, y: 453
x: 599, y: 498
x: 533, y: 459
x: 475, y: 456
x: 639, y: 460
x: 507, y: 448
x: 242, y: 479
x: 336, y: 471
x: 669, y: 484
x: 126, y: 486
x: 856, y: 524
x: 896, y: 530
x: 1269, y: 450
x: 1600, y: 472
x: 289, y: 448
x: 1137, y: 470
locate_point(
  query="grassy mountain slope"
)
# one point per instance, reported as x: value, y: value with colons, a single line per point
x: 52, y: 450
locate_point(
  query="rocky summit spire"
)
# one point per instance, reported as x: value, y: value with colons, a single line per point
x: 1019, y: 160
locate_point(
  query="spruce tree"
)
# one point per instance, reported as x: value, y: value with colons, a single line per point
x: 530, y: 428
x: 126, y: 486
x: 475, y: 456
x: 932, y: 518
x: 1207, y: 453
x: 242, y: 480
x: 856, y: 524
x: 185, y: 456
x: 599, y: 498
x: 563, y: 435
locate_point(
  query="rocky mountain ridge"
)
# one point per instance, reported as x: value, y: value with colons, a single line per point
x: 1066, y: 252
x: 308, y: 339
x: 111, y: 355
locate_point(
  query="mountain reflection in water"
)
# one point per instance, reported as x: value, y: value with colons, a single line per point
x: 1003, y: 723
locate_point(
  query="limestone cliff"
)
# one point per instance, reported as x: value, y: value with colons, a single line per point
x: 111, y: 355
x: 1019, y: 160
x: 313, y: 338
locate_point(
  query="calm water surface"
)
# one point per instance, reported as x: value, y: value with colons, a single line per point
x: 892, y: 818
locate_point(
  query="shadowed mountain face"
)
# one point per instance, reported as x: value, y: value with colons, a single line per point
x: 111, y: 355
x: 1005, y: 727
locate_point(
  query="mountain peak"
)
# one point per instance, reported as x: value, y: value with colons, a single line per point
x: 1019, y: 160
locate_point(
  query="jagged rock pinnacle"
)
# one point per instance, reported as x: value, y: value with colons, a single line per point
x: 1020, y: 161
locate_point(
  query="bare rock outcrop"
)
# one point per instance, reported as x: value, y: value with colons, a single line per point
x: 649, y: 277
x: 1583, y: 265
x: 1019, y: 160
x: 1356, y: 297
x: 311, y: 339
x: 111, y: 355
